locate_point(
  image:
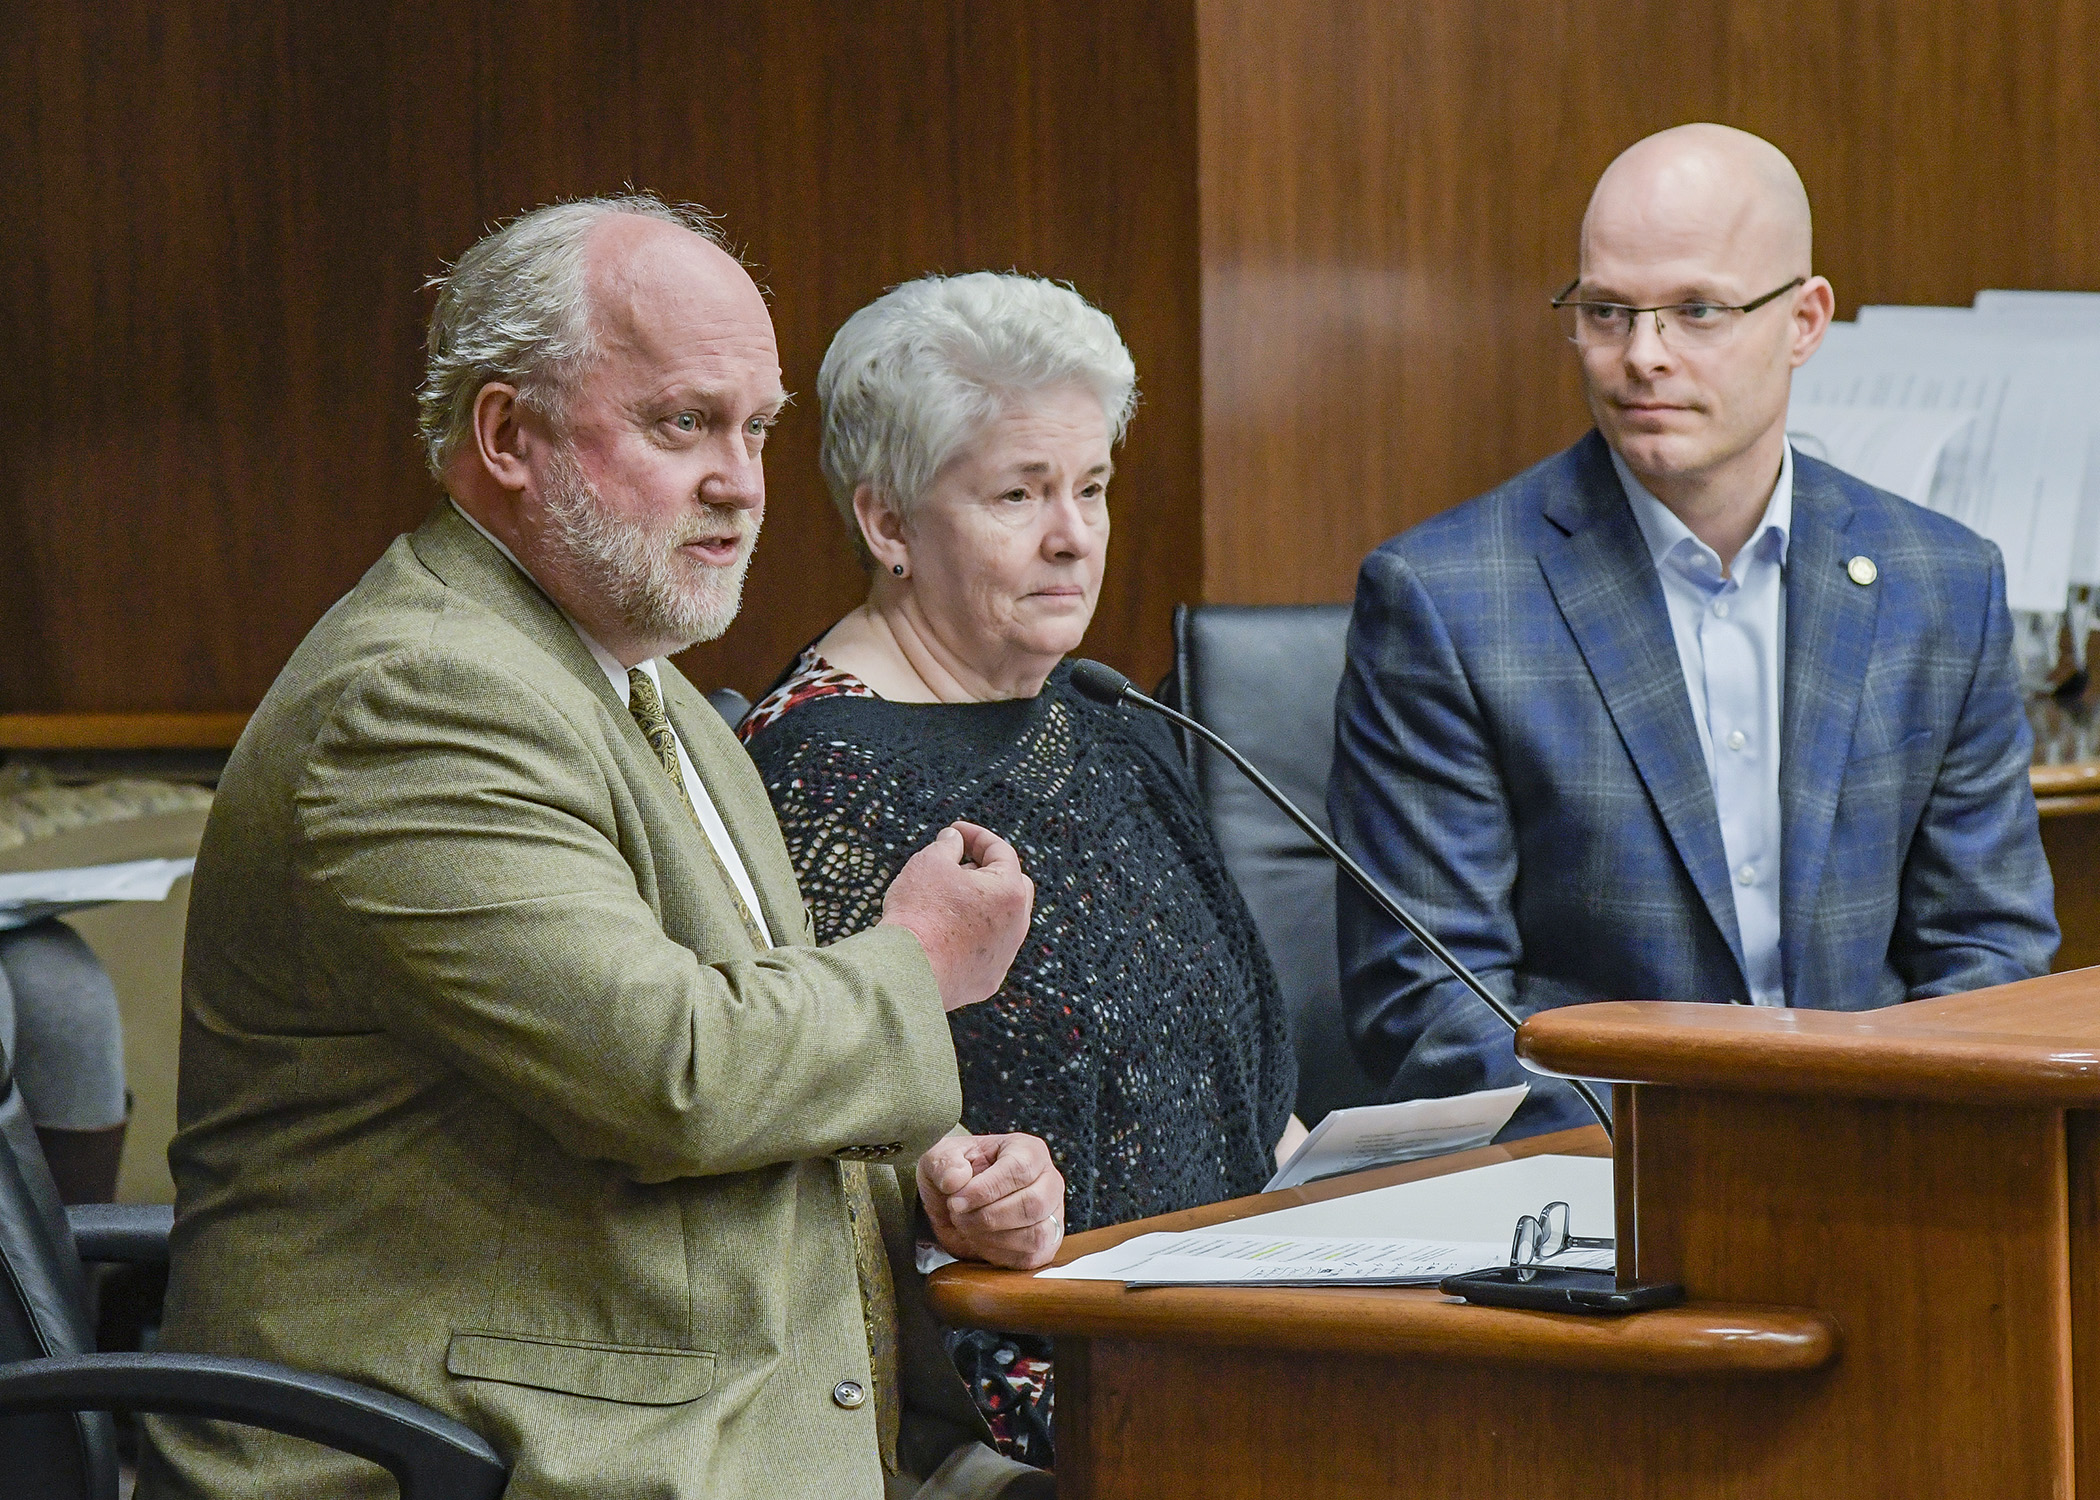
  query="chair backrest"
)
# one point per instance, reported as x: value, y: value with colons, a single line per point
x: 730, y: 704
x: 1264, y: 677
x: 43, y: 1312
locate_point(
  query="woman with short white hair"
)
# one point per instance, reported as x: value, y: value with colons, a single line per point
x: 969, y: 423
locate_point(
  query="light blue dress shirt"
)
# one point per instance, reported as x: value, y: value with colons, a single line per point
x: 1731, y: 640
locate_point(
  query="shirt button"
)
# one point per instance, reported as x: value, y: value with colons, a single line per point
x: 1737, y: 739
x: 1747, y: 875
x: 1720, y: 609
x: 850, y: 1394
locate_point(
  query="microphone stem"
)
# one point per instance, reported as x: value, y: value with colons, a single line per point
x: 1362, y: 877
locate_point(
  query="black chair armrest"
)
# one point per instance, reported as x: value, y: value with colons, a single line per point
x: 430, y: 1456
x: 132, y: 1234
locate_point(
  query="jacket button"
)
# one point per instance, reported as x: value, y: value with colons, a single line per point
x: 850, y: 1394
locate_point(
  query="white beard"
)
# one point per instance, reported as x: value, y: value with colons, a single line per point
x: 660, y: 593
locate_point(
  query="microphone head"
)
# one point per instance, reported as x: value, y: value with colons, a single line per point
x: 1101, y: 684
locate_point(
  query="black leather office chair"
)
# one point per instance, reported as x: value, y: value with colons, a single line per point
x: 1264, y: 677
x: 57, y: 1441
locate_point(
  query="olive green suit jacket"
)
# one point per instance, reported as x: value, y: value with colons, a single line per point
x: 488, y: 1099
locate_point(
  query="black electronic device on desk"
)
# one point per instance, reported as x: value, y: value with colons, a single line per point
x: 1566, y: 1289
x: 1533, y: 1282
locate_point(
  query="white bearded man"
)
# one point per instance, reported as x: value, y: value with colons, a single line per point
x: 512, y: 1081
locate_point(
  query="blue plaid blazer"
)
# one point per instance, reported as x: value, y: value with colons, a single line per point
x: 1515, y: 756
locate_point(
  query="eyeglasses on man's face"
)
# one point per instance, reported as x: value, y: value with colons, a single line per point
x: 1682, y: 325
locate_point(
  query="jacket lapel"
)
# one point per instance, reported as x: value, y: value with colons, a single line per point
x: 739, y: 795
x: 457, y: 553
x: 462, y: 557
x: 1829, y: 642
x: 1604, y: 582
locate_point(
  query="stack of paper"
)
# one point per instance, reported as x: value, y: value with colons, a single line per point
x: 1203, y: 1258
x: 1378, y: 1135
x: 1988, y: 414
x: 1889, y: 447
x: 1414, y: 1233
x: 1997, y: 419
x: 2067, y: 315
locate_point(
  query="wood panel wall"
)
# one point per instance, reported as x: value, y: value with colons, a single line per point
x: 1392, y: 192
x: 215, y: 221
x: 1327, y: 228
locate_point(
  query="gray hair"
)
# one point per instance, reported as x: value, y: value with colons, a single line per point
x: 516, y: 309
x: 917, y: 373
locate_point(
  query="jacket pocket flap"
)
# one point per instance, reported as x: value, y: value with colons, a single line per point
x: 634, y: 1373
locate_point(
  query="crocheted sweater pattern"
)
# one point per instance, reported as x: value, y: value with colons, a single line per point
x: 1140, y: 1031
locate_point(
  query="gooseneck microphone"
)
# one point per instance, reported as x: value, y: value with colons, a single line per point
x: 1105, y: 685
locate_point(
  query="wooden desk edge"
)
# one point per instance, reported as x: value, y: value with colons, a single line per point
x: 1400, y: 1322
x: 2044, y: 1053
x: 143, y: 731
x: 1397, y: 1322
x: 2074, y: 778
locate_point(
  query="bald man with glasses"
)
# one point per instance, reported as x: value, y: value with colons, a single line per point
x: 1680, y: 714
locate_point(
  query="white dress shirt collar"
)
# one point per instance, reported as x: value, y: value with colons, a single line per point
x: 1667, y: 536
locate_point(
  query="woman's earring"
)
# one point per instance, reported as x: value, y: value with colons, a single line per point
x: 898, y: 569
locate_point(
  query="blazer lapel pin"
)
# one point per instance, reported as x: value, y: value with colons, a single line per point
x: 1861, y: 570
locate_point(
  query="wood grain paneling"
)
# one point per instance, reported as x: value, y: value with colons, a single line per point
x: 1892, y: 1218
x: 151, y: 731
x: 1248, y: 1393
x: 1168, y: 1422
x: 215, y: 221
x: 2082, y: 1179
x: 2072, y: 841
x: 1391, y: 192
x: 1326, y: 227
x: 1706, y: 1339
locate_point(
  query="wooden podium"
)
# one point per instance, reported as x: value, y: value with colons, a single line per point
x: 1888, y: 1224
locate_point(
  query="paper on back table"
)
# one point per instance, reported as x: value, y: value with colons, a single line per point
x: 2014, y: 473
x: 2073, y: 315
x: 32, y: 895
x: 2017, y: 472
x: 1221, y: 1258
x: 1894, y: 450
x: 2055, y: 307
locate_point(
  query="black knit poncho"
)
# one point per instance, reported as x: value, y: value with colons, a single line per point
x: 1140, y: 1031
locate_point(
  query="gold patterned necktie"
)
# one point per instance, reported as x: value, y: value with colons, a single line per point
x: 647, y: 706
x: 871, y: 1261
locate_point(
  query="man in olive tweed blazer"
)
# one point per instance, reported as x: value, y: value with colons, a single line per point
x: 492, y: 1094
